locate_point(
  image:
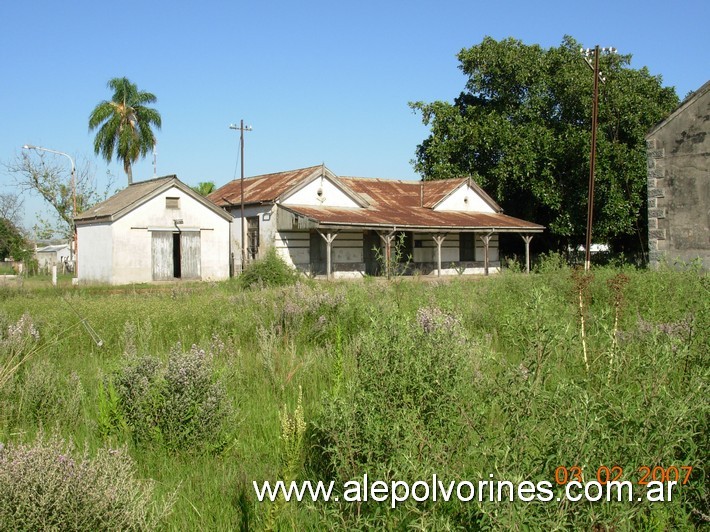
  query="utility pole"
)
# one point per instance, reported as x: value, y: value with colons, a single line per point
x: 593, y: 155
x: 242, y: 128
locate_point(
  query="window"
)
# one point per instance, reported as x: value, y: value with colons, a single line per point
x: 172, y: 203
x: 467, y: 247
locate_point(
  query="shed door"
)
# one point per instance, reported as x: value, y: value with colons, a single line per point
x: 190, y: 256
x: 162, y: 255
x: 318, y: 253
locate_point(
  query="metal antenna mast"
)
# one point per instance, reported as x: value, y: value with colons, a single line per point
x: 242, y: 128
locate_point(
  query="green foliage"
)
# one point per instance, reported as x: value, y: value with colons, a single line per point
x: 460, y: 377
x: 522, y: 128
x: 48, y: 175
x: 12, y: 242
x: 204, y: 188
x: 18, y: 343
x: 400, y: 414
x: 180, y: 404
x: 399, y: 259
x: 47, y: 485
x: 271, y: 270
x: 124, y: 124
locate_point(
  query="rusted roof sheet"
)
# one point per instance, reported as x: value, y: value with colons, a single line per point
x: 413, y: 217
x: 262, y: 188
x: 404, y: 204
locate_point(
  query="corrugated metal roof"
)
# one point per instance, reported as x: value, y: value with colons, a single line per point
x: 413, y: 217
x: 391, y: 202
x: 136, y: 194
x: 124, y: 198
x: 264, y: 188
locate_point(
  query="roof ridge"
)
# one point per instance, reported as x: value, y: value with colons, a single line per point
x: 171, y: 176
x: 277, y: 173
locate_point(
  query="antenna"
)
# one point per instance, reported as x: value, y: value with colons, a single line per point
x: 155, y: 158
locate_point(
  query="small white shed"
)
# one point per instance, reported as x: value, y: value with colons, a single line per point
x: 156, y: 230
x: 53, y: 254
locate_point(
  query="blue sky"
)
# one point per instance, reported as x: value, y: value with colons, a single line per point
x: 318, y: 81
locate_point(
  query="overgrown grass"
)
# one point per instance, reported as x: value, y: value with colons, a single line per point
x: 463, y: 377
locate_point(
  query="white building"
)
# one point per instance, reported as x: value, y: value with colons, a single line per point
x: 324, y: 224
x: 156, y: 230
x: 54, y: 254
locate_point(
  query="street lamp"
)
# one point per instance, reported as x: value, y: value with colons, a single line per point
x: 73, y: 193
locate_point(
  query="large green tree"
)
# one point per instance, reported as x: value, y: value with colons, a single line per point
x: 12, y: 241
x: 125, y: 124
x: 522, y: 129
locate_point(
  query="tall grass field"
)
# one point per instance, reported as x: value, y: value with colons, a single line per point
x: 156, y: 407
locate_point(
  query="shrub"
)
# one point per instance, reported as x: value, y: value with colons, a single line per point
x: 17, y: 343
x: 47, y: 486
x: 271, y: 270
x: 181, y: 404
x: 401, y: 413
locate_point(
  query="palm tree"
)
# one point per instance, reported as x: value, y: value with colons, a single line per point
x: 124, y: 124
x: 205, y: 188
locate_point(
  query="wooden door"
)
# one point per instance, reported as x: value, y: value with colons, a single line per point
x: 162, y: 255
x: 190, y: 255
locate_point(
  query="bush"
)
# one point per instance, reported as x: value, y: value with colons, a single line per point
x: 180, y: 404
x: 46, y: 486
x: 272, y: 270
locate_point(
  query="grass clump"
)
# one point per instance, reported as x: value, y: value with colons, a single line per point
x: 271, y: 270
x: 47, y: 485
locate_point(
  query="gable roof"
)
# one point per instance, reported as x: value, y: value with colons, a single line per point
x: 679, y: 110
x: 383, y: 202
x: 272, y: 188
x: 135, y: 195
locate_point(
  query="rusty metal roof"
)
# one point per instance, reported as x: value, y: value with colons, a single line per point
x: 413, y: 217
x: 404, y: 204
x: 262, y: 188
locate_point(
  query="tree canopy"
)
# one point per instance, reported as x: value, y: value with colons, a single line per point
x: 42, y: 174
x: 522, y: 129
x: 12, y: 242
x: 125, y: 124
x: 204, y: 188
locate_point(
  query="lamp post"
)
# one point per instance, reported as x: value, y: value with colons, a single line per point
x: 73, y: 193
x: 242, y: 128
x: 588, y: 53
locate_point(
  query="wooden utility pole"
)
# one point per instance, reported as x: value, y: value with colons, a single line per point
x: 242, y: 128
x: 593, y: 154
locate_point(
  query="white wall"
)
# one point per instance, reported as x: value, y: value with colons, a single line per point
x: 331, y: 195
x: 456, y: 201
x: 267, y: 229
x: 121, y: 253
x: 95, y: 253
x: 450, y: 249
x: 294, y: 247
